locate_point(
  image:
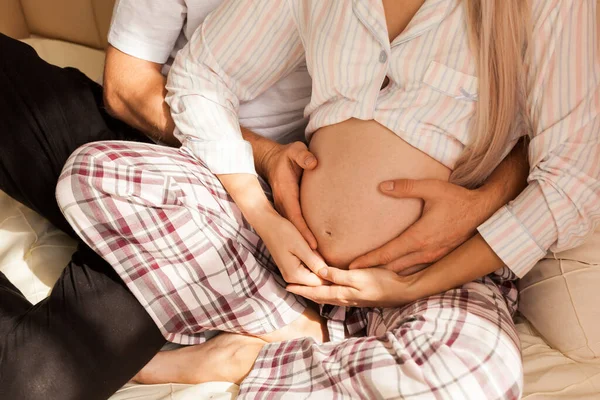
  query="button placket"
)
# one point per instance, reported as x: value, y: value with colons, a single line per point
x: 383, y: 56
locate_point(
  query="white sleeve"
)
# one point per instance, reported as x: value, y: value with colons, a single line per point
x: 147, y: 29
x: 242, y: 49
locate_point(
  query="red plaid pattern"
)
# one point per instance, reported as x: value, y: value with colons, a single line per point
x: 458, y: 345
x: 176, y: 238
x: 179, y: 242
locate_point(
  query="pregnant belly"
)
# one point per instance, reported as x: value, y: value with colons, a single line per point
x: 340, y: 199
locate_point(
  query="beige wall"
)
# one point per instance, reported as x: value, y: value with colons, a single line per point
x: 80, y: 21
x: 12, y: 21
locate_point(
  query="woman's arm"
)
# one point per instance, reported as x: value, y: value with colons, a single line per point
x: 241, y: 50
x: 561, y: 204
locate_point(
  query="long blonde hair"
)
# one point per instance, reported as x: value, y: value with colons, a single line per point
x: 499, y: 33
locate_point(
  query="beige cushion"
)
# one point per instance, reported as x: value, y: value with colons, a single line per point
x: 560, y: 298
x: 64, y: 54
x: 32, y: 252
x: 550, y: 375
x: 83, y: 22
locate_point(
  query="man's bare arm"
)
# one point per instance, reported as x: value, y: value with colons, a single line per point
x: 134, y: 92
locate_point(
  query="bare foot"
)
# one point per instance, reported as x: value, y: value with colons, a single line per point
x: 309, y: 324
x: 227, y: 357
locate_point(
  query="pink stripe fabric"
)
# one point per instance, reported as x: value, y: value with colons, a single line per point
x: 245, y: 47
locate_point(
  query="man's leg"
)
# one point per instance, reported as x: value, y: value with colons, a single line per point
x: 91, y: 335
x: 46, y: 112
x: 85, y: 341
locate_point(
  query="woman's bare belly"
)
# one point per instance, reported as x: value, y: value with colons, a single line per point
x: 340, y: 199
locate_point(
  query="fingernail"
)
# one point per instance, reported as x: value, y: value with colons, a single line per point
x: 323, y: 272
x: 309, y: 160
x: 387, y: 186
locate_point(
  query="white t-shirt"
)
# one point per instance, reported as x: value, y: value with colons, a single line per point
x: 155, y: 30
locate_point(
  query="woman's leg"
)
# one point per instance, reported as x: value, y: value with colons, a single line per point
x: 461, y: 344
x: 91, y: 335
x: 177, y: 239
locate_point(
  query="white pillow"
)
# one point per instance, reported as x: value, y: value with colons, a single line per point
x: 33, y: 253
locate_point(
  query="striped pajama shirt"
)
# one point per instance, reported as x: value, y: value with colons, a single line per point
x: 165, y: 223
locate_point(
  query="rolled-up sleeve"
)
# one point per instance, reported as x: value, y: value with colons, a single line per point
x: 561, y: 204
x: 242, y: 49
x: 147, y: 29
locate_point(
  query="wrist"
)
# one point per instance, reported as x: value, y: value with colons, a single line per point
x: 508, y: 180
x: 247, y: 193
x: 264, y: 156
x: 410, y: 288
x: 262, y: 150
x: 489, y: 198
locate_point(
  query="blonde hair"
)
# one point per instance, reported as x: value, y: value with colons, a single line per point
x: 499, y: 34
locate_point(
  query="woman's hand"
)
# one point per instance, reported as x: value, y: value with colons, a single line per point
x: 380, y: 287
x: 287, y: 246
x: 372, y: 287
x: 283, y: 166
x: 297, y: 262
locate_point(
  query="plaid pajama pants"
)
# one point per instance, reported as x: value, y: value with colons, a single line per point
x: 176, y: 238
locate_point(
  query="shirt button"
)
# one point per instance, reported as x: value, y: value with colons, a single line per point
x: 382, y: 56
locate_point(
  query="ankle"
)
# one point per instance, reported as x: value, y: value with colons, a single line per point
x: 309, y: 324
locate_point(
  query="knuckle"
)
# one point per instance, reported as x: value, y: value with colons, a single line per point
x: 419, y: 242
x: 298, y: 146
x: 338, y: 295
x: 405, y: 185
x: 351, y: 279
x: 436, y: 254
x: 386, y: 257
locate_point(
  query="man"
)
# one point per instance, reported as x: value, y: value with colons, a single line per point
x: 90, y: 336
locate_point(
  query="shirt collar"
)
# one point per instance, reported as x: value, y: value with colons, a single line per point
x: 371, y: 14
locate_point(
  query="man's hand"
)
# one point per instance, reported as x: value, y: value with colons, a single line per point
x: 451, y: 214
x: 283, y: 166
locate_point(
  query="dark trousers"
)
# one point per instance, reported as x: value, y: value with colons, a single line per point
x: 90, y: 336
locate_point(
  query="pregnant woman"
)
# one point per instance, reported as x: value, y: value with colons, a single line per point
x: 435, y: 89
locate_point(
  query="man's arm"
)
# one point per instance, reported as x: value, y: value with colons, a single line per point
x: 134, y: 92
